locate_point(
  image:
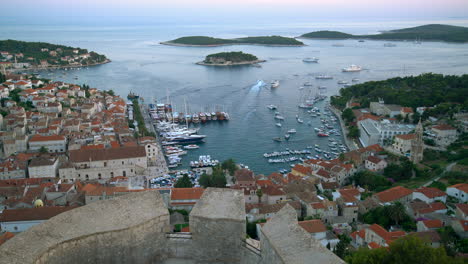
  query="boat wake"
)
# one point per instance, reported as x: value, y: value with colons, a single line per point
x: 257, y: 87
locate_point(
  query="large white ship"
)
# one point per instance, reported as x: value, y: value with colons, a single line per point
x: 352, y: 68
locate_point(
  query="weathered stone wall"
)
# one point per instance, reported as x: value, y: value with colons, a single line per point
x: 133, y: 229
x: 127, y: 229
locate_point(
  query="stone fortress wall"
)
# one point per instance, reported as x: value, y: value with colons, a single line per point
x: 135, y: 229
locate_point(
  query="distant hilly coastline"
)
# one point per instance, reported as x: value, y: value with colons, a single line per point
x: 432, y: 32
x: 204, y: 41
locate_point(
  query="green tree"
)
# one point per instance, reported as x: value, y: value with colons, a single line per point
x: 348, y: 115
x: 368, y: 256
x: 218, y: 177
x: 183, y: 182
x: 341, y: 249
x: 205, y: 180
x: 229, y: 165
x: 2, y: 78
x: 397, y: 212
x: 354, y: 132
x: 259, y: 194
x: 43, y: 150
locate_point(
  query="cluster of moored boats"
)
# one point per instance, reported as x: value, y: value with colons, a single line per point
x: 204, y: 161
x: 164, y: 112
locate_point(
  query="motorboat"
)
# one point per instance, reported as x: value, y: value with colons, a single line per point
x: 287, y: 136
x: 191, y: 147
x: 275, y: 84
x: 323, y: 77
x: 342, y: 82
x: 352, y: 68
x: 272, y: 107
x: 279, y: 125
x: 313, y: 60
x: 292, y: 131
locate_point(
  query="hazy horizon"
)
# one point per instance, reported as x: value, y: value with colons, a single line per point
x: 120, y: 12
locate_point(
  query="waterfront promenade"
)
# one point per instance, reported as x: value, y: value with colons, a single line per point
x: 349, y: 142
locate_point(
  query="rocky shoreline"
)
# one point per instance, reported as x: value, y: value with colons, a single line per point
x: 231, y: 63
x: 59, y: 67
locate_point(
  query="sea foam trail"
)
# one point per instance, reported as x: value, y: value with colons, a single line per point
x: 257, y: 87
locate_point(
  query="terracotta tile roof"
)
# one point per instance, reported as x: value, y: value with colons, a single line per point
x: 329, y: 185
x: 373, y: 245
x: 430, y: 192
x: 6, y: 236
x: 443, y: 127
x: 264, y: 183
x: 460, y: 186
x: 302, y: 169
x: 273, y: 208
x: 323, y: 173
x: 39, y: 138
x: 98, y: 146
x: 368, y: 116
x: 273, y: 191
x: 463, y: 208
x: 374, y: 159
x: 350, y: 191
x: 317, y: 205
x: 313, y: 226
x: 406, y: 136
x: 185, y: 229
x: 384, y: 234
x: 186, y: 193
x: 464, y: 224
x: 375, y: 148
x: 244, y: 175
x: 87, y: 155
x: 393, y: 194
x: 438, y: 206
x: 436, y: 223
x: 361, y: 233
x: 29, y: 214
x: 407, y: 110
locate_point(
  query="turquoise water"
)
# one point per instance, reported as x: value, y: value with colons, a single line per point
x: 141, y: 65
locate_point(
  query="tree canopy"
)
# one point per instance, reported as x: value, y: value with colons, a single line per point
x: 183, y: 182
x: 216, y: 179
x: 423, y: 90
x: 408, y: 249
x: 389, y: 215
x: 233, y: 56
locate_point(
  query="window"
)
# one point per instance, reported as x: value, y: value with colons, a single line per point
x: 99, y: 176
x: 124, y: 173
x: 105, y: 164
x: 112, y: 174
x: 16, y: 228
x: 122, y: 163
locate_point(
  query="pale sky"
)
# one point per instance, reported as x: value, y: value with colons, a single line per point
x: 238, y: 8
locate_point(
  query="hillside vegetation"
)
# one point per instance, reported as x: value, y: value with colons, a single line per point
x: 422, y: 90
x: 34, y: 52
x: 233, y: 57
x: 209, y: 41
x: 432, y: 32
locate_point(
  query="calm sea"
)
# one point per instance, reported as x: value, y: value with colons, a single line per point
x: 141, y: 65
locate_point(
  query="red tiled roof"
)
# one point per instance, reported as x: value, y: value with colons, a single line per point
x: 302, y: 169
x: 264, y: 183
x: 107, y: 154
x: 430, y: 192
x: 375, y: 148
x: 463, y: 208
x: 323, y: 173
x: 313, y: 226
x: 460, y: 186
x: 433, y: 223
x: 244, y: 175
x: 374, y: 159
x: 373, y: 245
x: 29, y: 214
x: 407, y: 110
x: 443, y: 127
x: 393, y: 194
x: 317, y: 205
x: 4, y: 237
x: 384, y: 234
x: 186, y: 193
x: 361, y: 233
x: 406, y: 136
x: 39, y: 138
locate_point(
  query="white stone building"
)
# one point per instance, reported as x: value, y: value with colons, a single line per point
x: 445, y: 134
x: 54, y: 143
x: 43, y: 167
x: 459, y: 191
x: 380, y: 132
x: 105, y: 163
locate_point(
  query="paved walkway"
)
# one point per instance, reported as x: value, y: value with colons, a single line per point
x: 447, y: 169
x: 349, y: 142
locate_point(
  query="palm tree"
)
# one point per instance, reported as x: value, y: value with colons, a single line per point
x: 259, y: 194
x: 397, y: 212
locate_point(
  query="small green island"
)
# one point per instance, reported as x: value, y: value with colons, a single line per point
x: 20, y: 55
x: 230, y: 59
x: 432, y: 32
x: 203, y: 41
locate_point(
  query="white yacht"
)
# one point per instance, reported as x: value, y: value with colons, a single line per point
x: 292, y: 131
x: 342, y: 82
x: 272, y: 107
x: 323, y: 77
x: 279, y: 125
x: 275, y: 84
x: 352, y: 68
x: 313, y: 59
